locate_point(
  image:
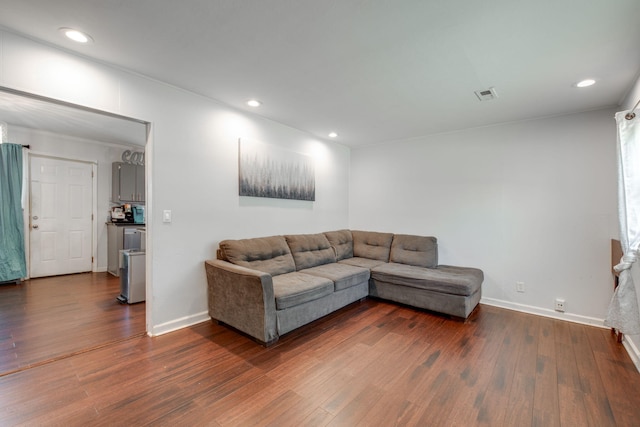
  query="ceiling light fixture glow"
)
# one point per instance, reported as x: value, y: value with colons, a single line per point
x: 254, y: 103
x: 76, y: 36
x: 586, y: 83
x: 333, y: 135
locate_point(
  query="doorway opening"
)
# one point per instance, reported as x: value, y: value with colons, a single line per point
x: 79, y: 141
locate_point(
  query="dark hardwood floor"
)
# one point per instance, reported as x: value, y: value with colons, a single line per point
x: 50, y: 318
x: 371, y: 364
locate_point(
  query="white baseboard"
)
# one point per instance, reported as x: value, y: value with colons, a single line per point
x: 100, y: 270
x: 176, y: 324
x: 569, y: 317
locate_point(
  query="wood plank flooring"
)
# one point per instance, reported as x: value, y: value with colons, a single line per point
x: 371, y: 364
x: 50, y: 318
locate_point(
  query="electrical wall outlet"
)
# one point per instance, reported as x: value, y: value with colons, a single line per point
x: 520, y: 286
x: 560, y: 305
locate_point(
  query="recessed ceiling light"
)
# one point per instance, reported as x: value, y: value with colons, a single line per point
x: 254, y: 103
x: 333, y: 135
x: 76, y: 36
x: 585, y: 83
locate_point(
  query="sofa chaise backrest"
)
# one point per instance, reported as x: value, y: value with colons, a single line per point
x: 419, y: 251
x: 372, y: 245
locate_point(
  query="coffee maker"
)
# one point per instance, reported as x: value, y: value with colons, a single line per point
x: 122, y: 213
x: 128, y: 212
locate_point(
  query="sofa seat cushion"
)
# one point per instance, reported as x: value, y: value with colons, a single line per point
x: 310, y: 250
x: 421, y: 251
x: 343, y: 275
x: 342, y: 243
x: 296, y: 288
x: 362, y: 262
x: 444, y: 279
x: 269, y: 254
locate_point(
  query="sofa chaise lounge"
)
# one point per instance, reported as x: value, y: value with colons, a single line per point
x: 268, y: 286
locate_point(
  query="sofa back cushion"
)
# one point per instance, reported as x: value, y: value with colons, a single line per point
x: 420, y: 251
x: 310, y: 250
x: 372, y: 245
x: 342, y: 243
x: 269, y: 254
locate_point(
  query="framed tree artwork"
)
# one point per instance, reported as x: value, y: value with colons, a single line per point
x: 270, y: 171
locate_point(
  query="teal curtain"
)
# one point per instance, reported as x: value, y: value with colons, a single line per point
x: 13, y: 263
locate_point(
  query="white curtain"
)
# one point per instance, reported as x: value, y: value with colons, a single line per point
x: 623, y: 311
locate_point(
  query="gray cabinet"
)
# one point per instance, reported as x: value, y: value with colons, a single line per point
x: 127, y: 182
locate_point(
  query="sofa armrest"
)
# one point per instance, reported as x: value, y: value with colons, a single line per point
x: 242, y: 298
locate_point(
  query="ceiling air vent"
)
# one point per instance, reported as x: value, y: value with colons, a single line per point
x: 487, y: 94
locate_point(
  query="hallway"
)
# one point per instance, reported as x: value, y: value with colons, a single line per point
x: 47, y: 319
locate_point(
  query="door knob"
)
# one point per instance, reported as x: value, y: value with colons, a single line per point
x: 36, y: 226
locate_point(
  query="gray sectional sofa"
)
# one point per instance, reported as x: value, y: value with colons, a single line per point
x: 268, y: 286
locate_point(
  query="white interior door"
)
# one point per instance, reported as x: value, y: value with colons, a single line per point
x: 60, y: 235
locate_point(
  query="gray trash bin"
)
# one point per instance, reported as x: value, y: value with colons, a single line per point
x: 132, y: 276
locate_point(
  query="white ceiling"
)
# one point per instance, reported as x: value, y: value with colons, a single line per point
x: 373, y: 71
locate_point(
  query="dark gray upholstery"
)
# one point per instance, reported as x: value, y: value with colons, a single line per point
x: 269, y: 254
x: 296, y: 288
x: 445, y: 289
x: 362, y: 262
x: 243, y: 298
x: 343, y: 275
x: 372, y: 245
x: 454, y: 305
x: 309, y: 250
x: 443, y: 279
x: 342, y: 243
x: 420, y: 251
x: 268, y: 286
x: 294, y: 317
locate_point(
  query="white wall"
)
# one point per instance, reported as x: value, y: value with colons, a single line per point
x: 72, y: 148
x: 191, y: 162
x: 532, y: 201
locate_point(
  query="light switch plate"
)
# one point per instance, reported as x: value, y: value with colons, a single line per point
x: 166, y: 216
